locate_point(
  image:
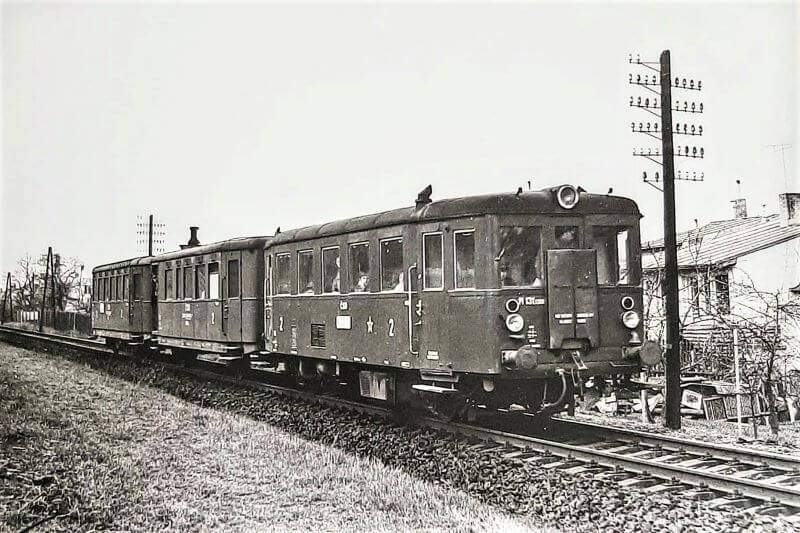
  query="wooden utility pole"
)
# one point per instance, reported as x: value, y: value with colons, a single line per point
x: 150, y: 237
x: 44, y: 293
x: 7, y: 296
x: 672, y: 393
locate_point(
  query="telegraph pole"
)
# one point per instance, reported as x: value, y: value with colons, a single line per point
x: 672, y: 394
x: 44, y: 293
x: 150, y: 236
x: 661, y: 84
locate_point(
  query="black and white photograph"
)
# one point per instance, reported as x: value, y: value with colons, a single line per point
x: 399, y: 266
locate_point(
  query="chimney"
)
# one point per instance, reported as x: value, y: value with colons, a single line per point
x: 739, y: 208
x: 193, y: 241
x: 789, y: 208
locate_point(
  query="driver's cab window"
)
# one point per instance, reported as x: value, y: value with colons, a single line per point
x: 520, y: 257
x: 612, y: 246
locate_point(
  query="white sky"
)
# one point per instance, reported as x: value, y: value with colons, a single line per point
x: 240, y: 118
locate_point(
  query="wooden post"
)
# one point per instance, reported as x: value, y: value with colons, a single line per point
x: 672, y: 389
x: 44, y: 293
x: 5, y: 297
x: 150, y: 236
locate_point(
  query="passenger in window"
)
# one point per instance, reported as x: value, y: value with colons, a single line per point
x: 566, y: 237
x: 309, y: 288
x: 336, y: 278
x: 362, y: 284
x: 398, y: 287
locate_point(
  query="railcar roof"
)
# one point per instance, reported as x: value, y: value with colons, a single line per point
x: 530, y: 202
x: 146, y: 260
x: 239, y: 243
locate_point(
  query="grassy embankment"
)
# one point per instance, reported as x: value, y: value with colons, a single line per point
x: 83, y: 450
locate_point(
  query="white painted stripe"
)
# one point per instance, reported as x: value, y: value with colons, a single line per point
x: 563, y: 315
x: 585, y: 315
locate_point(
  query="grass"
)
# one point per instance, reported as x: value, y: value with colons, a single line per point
x: 89, y: 451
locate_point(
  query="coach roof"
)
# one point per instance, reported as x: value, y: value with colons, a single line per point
x: 136, y: 261
x: 239, y: 243
x: 531, y: 202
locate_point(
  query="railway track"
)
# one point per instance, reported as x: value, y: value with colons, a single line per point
x: 722, y: 476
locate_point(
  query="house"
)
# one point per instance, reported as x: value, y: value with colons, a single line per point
x: 731, y: 272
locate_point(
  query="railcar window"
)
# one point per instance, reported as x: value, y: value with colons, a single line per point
x: 392, y: 265
x: 107, y: 289
x: 464, y: 245
x: 125, y: 287
x: 137, y: 287
x: 179, y: 283
x: 118, y: 287
x: 233, y: 278
x: 612, y: 246
x: 359, y: 267
x: 331, y: 277
x: 213, y: 281
x: 170, y: 280
x: 432, y: 261
x: 305, y: 268
x: 567, y: 237
x: 187, y: 282
x: 282, y: 274
x: 520, y: 257
x: 200, y: 282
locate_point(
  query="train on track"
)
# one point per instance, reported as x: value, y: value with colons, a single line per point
x: 503, y: 300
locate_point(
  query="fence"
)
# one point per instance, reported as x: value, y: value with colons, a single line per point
x: 60, y: 320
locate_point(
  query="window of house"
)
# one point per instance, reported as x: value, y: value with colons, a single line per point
x: 567, y: 237
x: 723, y: 293
x: 432, y: 261
x: 213, y: 281
x: 283, y: 283
x: 612, y: 247
x: 187, y: 282
x: 179, y: 283
x: 200, y: 282
x: 125, y: 287
x: 137, y: 287
x: 331, y: 276
x: 464, y: 250
x: 233, y: 278
x: 305, y: 269
x: 359, y: 267
x: 170, y: 284
x: 694, y: 296
x: 391, y: 265
x: 520, y: 257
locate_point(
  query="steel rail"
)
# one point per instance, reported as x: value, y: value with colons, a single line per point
x: 690, y: 475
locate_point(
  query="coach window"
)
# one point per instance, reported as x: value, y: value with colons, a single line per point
x: 200, y: 282
x: 283, y: 278
x: 187, y: 282
x: 432, y: 261
x: 233, y: 278
x: 359, y: 267
x: 567, y: 237
x: 213, y: 281
x: 305, y: 268
x: 117, y: 281
x: 520, y: 257
x: 464, y: 250
x: 392, y: 265
x: 179, y: 282
x: 331, y: 276
x: 613, y: 254
x: 125, y: 287
x: 137, y: 286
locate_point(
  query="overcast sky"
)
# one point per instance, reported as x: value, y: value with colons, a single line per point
x: 242, y: 118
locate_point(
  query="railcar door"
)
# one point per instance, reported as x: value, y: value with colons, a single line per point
x: 572, y: 296
x: 232, y: 296
x: 268, y: 302
x: 153, y: 294
x: 430, y: 312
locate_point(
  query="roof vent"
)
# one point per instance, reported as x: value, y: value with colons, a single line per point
x: 193, y: 241
x: 424, y: 197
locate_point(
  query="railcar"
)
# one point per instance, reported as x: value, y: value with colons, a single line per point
x: 123, y: 307
x: 502, y: 300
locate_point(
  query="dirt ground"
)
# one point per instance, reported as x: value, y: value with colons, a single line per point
x: 82, y: 450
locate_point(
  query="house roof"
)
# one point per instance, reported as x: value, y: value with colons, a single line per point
x: 722, y: 242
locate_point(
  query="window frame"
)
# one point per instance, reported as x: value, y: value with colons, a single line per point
x: 380, y: 264
x: 425, y: 287
x: 307, y: 251
x: 178, y: 282
x: 125, y: 291
x: 188, y: 288
x: 208, y: 281
x: 228, y: 279
x: 350, y: 263
x: 474, y: 259
x: 322, y: 269
x: 276, y: 278
x: 544, y: 231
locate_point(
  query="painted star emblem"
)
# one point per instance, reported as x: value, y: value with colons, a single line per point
x: 370, y: 323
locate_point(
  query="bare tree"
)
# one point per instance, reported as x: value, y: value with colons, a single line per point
x: 28, y: 281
